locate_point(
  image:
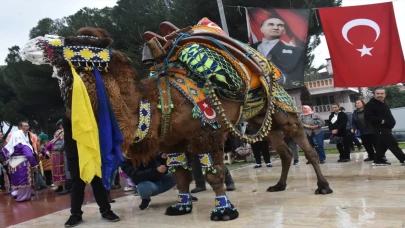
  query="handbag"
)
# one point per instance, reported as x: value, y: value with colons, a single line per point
x: 244, y: 150
x: 335, y: 139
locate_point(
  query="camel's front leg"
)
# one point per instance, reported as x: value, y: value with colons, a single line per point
x: 178, y: 166
x: 214, y: 170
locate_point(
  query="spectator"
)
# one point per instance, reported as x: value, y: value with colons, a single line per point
x: 337, y: 126
x: 379, y: 114
x: 313, y: 124
x: 364, y: 129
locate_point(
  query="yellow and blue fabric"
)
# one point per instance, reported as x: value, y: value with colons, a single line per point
x: 55, y: 41
x: 145, y: 116
x: 85, y: 131
x: 194, y: 94
x: 206, y: 163
x: 184, y: 202
x: 177, y: 159
x: 109, y: 133
x: 221, y: 203
x: 184, y: 199
x: 216, y: 66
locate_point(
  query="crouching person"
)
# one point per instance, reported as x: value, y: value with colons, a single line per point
x: 151, y: 179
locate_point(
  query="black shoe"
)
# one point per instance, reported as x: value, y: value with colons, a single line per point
x: 110, y: 216
x: 269, y: 165
x: 368, y: 159
x: 74, y: 220
x: 59, y: 189
x: 384, y: 163
x: 115, y: 187
x: 230, y: 187
x: 257, y: 166
x: 384, y: 159
x: 64, y: 192
x: 198, y: 189
x: 194, y: 199
x: 145, y: 204
x: 296, y: 162
x: 322, y: 162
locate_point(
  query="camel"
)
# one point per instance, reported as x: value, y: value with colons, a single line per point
x: 184, y: 134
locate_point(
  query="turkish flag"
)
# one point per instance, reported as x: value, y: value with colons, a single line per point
x: 364, y: 45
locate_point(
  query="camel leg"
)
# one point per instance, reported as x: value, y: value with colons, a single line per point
x: 277, y: 142
x: 292, y: 126
x: 215, y: 176
x: 301, y: 139
x: 182, y: 175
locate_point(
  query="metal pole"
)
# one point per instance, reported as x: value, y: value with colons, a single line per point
x: 222, y: 15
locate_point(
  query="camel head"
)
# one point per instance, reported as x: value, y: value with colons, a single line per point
x: 87, y: 50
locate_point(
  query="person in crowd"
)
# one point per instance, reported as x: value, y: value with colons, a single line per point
x: 313, y: 124
x: 78, y: 185
x: 260, y: 148
x: 22, y: 163
x: 129, y: 184
x: 54, y: 150
x: 151, y: 179
x: 45, y: 160
x: 364, y: 129
x: 349, y: 129
x: 377, y: 112
x: 337, y: 126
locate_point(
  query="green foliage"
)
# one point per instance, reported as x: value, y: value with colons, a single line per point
x: 395, y: 97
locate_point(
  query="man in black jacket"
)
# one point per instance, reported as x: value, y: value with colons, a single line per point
x: 337, y: 126
x: 379, y: 115
x: 151, y: 179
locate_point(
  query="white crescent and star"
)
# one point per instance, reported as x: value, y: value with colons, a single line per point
x: 361, y: 22
x: 210, y: 117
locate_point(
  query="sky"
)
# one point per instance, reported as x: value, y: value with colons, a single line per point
x: 18, y: 17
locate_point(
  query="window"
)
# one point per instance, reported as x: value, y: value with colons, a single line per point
x: 324, y: 100
x: 353, y: 97
x: 331, y: 99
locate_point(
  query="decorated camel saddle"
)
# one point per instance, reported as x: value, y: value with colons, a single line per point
x: 202, y: 60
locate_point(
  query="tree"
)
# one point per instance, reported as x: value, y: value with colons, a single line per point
x: 32, y: 92
x: 305, y: 96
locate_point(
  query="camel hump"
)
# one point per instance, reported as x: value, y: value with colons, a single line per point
x: 95, y: 32
x: 88, y: 36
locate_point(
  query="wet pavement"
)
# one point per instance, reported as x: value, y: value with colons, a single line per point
x: 364, y: 196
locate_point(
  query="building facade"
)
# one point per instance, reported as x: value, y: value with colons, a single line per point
x: 324, y: 94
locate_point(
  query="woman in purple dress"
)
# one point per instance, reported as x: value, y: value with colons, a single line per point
x: 55, y: 150
x: 22, y: 163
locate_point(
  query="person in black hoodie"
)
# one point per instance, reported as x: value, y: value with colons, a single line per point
x: 379, y: 115
x: 151, y: 179
x: 337, y: 126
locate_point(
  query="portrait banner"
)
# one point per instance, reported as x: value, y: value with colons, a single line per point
x: 281, y: 35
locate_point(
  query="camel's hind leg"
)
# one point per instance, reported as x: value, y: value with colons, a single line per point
x: 292, y: 126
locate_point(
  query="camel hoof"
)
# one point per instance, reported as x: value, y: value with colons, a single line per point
x: 224, y: 214
x: 179, y: 210
x: 276, y: 188
x: 323, y: 190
